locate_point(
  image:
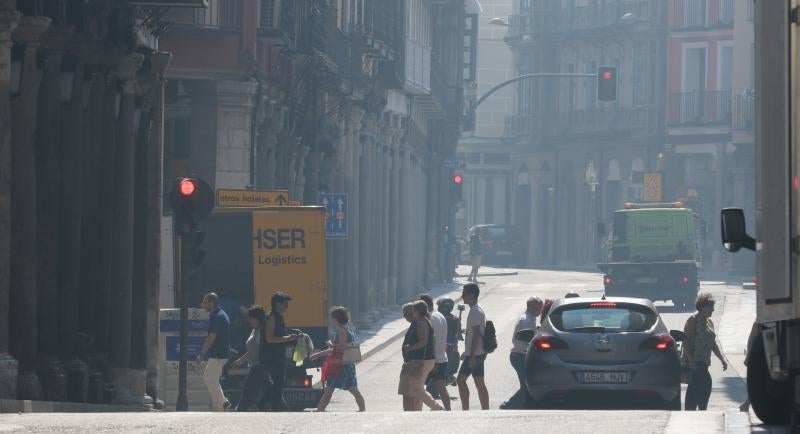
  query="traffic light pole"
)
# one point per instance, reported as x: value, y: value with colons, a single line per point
x: 478, y: 102
x: 182, y: 403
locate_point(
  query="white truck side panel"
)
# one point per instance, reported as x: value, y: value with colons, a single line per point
x: 775, y: 136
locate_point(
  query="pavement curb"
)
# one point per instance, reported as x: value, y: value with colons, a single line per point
x: 28, y: 406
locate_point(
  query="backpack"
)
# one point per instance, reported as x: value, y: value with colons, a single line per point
x: 489, y: 337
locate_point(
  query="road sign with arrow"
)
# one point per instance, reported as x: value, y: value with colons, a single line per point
x: 251, y: 198
x: 335, y: 215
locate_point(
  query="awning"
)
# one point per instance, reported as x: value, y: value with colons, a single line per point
x: 473, y: 7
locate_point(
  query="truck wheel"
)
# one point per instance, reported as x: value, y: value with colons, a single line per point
x: 771, y: 400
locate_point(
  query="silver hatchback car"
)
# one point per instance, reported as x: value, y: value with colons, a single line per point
x: 603, y: 346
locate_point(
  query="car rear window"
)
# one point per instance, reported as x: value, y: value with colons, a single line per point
x: 603, y: 317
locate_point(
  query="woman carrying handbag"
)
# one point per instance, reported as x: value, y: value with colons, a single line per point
x: 341, y: 347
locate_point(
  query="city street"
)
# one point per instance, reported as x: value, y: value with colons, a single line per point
x: 503, y: 299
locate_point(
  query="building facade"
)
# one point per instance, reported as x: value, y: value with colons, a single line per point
x: 576, y: 159
x: 710, y: 156
x: 81, y: 116
x: 361, y: 97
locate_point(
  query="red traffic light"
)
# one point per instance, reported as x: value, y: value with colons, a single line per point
x: 187, y: 187
x: 608, y: 75
x: 458, y: 179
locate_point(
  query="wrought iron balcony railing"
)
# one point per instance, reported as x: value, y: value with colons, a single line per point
x: 699, y: 108
x: 220, y: 14
x: 701, y: 14
x: 744, y: 112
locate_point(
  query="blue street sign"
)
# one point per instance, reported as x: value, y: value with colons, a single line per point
x: 335, y: 215
x: 449, y: 163
x: 193, y: 346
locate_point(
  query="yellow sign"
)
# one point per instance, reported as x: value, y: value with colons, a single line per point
x: 251, y: 199
x: 289, y: 256
x: 651, y: 187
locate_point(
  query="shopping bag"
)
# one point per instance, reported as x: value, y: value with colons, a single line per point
x: 332, y: 366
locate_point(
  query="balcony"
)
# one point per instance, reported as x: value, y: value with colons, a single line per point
x: 379, y: 29
x: 699, y: 108
x: 341, y: 54
x: 701, y: 14
x: 744, y: 112
x: 585, y: 125
x: 595, y: 17
x: 220, y: 15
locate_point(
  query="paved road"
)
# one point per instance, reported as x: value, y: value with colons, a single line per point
x: 503, y: 300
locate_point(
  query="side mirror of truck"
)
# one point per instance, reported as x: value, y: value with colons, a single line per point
x: 525, y: 335
x: 734, y: 233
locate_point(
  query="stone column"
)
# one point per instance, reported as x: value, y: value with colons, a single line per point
x: 48, y: 166
x: 74, y: 135
x: 395, y: 217
x: 121, y: 290
x: 352, y: 174
x: 364, y: 212
x: 382, y: 214
x: 8, y: 364
x: 403, y: 269
x: 155, y: 175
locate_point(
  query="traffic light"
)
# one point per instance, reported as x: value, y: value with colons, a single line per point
x: 456, y: 187
x: 192, y: 199
x: 607, y: 83
x: 196, y: 252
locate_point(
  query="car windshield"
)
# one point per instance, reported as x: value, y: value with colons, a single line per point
x: 603, y: 317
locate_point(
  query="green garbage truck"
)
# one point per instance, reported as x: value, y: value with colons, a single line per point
x: 653, y: 253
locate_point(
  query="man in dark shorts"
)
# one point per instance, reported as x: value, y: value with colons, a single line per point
x: 474, y: 356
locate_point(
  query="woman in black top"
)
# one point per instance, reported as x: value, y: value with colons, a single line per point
x: 419, y: 351
x: 274, y: 351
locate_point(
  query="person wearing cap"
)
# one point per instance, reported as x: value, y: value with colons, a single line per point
x: 274, y: 355
x: 525, y: 322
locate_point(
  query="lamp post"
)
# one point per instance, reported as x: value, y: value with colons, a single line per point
x: 591, y: 181
x: 17, y: 60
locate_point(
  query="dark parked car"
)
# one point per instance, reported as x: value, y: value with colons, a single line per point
x: 501, y: 245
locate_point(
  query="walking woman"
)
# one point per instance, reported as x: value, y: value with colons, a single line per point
x: 701, y: 340
x: 346, y: 380
x: 419, y: 351
x: 404, y: 388
x: 257, y: 380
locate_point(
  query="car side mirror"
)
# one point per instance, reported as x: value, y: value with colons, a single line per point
x: 525, y: 335
x: 678, y: 335
x: 734, y: 232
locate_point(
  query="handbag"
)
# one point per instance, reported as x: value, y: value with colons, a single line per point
x: 351, y: 353
x: 332, y: 367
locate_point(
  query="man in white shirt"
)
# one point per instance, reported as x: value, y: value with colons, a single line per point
x: 439, y: 374
x: 474, y: 356
x: 525, y: 322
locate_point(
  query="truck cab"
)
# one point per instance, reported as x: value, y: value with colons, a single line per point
x: 653, y: 254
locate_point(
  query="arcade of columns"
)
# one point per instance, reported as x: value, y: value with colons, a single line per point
x: 80, y: 212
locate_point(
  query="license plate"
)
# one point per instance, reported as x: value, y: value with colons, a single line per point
x: 600, y: 377
x: 503, y: 252
x: 307, y: 397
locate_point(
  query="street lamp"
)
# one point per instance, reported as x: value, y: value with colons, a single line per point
x: 591, y: 175
x: 496, y: 21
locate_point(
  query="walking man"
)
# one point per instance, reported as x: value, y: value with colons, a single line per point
x: 278, y: 338
x: 474, y: 356
x: 215, y: 350
x: 525, y: 322
x: 439, y: 374
x: 475, y: 250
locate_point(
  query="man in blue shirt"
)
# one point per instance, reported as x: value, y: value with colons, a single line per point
x: 215, y: 350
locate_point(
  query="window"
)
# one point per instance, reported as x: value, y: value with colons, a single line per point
x: 694, y: 69
x: 496, y: 158
x: 603, y: 317
x: 725, y: 68
x: 181, y: 137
